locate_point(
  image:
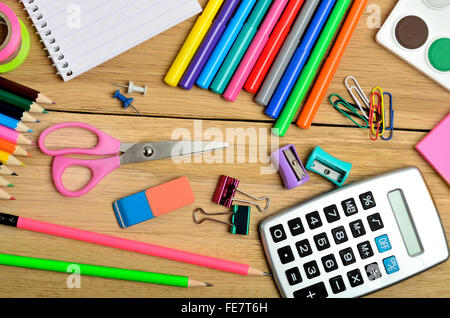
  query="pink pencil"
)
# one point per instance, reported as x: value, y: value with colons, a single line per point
x: 129, y: 245
x: 254, y: 51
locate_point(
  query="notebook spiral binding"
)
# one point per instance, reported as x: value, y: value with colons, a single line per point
x: 42, y: 29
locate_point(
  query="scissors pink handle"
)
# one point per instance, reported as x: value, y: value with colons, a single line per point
x: 106, y: 145
x: 99, y: 168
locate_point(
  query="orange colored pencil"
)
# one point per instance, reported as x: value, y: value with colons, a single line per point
x: 331, y: 65
x: 12, y: 148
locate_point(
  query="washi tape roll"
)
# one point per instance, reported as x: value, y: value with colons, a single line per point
x: 12, y: 41
x: 21, y: 53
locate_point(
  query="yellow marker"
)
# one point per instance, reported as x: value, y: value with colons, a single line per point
x: 9, y: 159
x: 192, y: 42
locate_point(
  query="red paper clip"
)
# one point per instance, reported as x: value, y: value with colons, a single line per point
x: 375, y: 113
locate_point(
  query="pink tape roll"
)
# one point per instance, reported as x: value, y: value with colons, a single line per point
x: 12, y: 42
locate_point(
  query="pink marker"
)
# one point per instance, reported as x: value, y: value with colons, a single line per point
x: 254, y: 51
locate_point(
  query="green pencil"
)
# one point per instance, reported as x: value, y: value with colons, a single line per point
x: 20, y: 102
x: 99, y: 271
x: 240, y: 46
x: 312, y: 67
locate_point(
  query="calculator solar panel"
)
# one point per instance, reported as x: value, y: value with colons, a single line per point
x: 357, y: 239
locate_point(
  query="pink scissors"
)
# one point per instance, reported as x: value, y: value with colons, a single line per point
x: 122, y: 153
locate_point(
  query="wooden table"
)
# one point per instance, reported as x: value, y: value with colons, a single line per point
x: 419, y: 105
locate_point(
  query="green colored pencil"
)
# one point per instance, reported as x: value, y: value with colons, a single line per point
x: 99, y: 271
x: 21, y: 102
x: 312, y: 67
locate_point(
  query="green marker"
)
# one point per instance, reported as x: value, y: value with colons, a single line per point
x: 98, y: 271
x: 241, y: 45
x: 20, y: 102
x: 312, y: 67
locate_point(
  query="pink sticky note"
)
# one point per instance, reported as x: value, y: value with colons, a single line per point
x: 435, y: 148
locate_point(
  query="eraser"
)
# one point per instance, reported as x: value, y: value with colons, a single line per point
x: 153, y: 202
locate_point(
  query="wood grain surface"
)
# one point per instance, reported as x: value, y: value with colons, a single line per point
x: 419, y: 104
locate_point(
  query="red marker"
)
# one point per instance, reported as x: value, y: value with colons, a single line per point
x: 272, y: 47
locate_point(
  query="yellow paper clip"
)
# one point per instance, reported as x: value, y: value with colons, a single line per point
x: 381, y: 111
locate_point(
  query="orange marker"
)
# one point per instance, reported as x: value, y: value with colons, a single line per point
x: 331, y: 65
x: 12, y: 148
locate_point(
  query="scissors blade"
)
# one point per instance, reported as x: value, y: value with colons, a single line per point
x: 166, y: 149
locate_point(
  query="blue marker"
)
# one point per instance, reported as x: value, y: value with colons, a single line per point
x: 226, y: 41
x: 13, y: 123
x: 299, y: 59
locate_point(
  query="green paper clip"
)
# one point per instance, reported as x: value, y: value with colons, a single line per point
x: 349, y: 112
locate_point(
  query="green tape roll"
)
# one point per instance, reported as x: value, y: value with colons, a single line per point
x: 23, y: 52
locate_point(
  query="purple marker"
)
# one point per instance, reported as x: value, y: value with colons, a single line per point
x: 208, y: 44
x: 290, y: 167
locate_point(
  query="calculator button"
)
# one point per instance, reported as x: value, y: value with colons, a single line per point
x: 304, y: 248
x: 329, y: 263
x: 278, y: 233
x: 375, y: 222
x: 296, y: 227
x: 373, y: 271
x: 337, y: 284
x: 331, y: 213
x: 293, y: 276
x: 322, y: 242
x: 367, y: 200
x: 286, y: 255
x: 357, y: 228
x: 347, y: 256
x: 349, y: 207
x: 312, y: 292
x: 383, y: 243
x: 311, y: 269
x: 365, y: 250
x: 391, y: 265
x: 355, y: 278
x: 313, y: 220
x: 339, y: 235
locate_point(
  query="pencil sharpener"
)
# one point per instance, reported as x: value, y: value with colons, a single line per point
x: 290, y: 167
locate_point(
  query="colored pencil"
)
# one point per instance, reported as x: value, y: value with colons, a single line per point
x: 288, y: 49
x: 13, y: 148
x: 128, y: 245
x: 311, y: 68
x: 13, y: 136
x: 254, y: 50
x: 5, y: 183
x: 192, y: 42
x: 24, y: 91
x: 14, y: 124
x: 299, y: 59
x: 99, y: 271
x: 20, y: 102
x: 9, y: 159
x: 273, y: 46
x: 331, y: 65
x: 6, y: 171
x: 240, y: 46
x: 225, y: 43
x: 16, y: 113
x: 5, y: 195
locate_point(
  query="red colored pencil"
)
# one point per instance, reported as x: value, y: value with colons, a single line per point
x: 272, y: 47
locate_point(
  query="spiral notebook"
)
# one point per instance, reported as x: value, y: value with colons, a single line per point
x: 82, y: 34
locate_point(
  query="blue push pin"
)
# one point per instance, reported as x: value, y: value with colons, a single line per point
x: 127, y: 102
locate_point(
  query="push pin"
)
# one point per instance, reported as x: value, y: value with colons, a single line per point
x: 240, y: 219
x: 127, y: 102
x: 329, y: 167
x: 290, y: 167
x: 226, y: 190
x: 134, y: 88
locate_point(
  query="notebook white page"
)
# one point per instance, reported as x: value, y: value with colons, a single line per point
x: 82, y: 34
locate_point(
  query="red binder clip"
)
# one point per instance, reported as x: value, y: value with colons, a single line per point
x: 226, y: 190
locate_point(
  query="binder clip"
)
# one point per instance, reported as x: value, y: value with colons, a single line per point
x: 290, y: 167
x: 328, y: 167
x: 240, y: 219
x: 226, y: 190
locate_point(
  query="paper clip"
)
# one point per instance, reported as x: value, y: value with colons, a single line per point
x: 375, y: 116
x: 226, y: 190
x: 381, y: 110
x: 360, y: 93
x: 349, y: 110
x: 240, y: 219
x: 391, y: 125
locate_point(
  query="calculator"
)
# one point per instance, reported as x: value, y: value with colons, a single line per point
x: 357, y: 239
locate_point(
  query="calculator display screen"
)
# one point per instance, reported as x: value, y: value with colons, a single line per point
x: 405, y: 223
